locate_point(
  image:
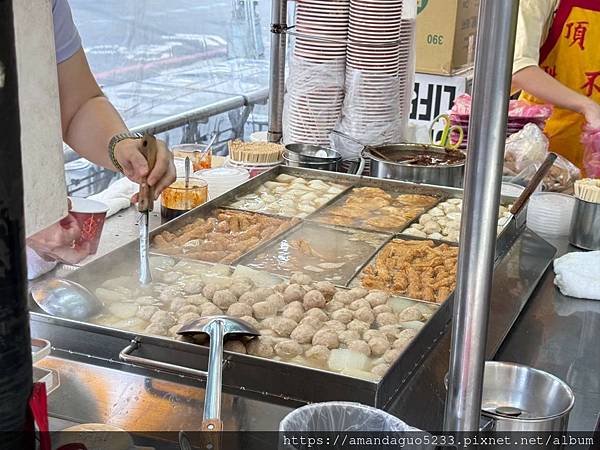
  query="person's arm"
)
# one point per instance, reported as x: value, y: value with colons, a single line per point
x: 89, y: 121
x: 535, y: 17
x: 538, y: 83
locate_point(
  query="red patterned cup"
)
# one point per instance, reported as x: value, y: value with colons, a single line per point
x: 90, y: 216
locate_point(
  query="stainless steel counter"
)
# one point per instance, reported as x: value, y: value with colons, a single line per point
x: 554, y: 333
x: 561, y: 335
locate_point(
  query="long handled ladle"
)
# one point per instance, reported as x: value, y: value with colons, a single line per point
x: 218, y: 328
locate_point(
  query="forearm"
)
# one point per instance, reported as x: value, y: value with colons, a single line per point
x: 541, y: 85
x: 91, y: 129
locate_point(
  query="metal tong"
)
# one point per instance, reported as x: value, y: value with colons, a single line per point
x: 145, y: 205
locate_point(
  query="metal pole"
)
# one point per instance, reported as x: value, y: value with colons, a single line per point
x: 15, y: 338
x: 487, y: 133
x: 277, y: 80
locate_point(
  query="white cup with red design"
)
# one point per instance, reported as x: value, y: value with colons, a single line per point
x: 90, y: 215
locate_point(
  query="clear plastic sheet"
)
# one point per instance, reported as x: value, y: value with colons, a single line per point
x: 343, y: 417
x: 591, y: 152
x: 313, y: 101
x: 525, y: 152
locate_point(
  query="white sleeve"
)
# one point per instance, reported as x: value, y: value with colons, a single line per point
x: 36, y: 265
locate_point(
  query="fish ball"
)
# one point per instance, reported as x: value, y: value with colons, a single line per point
x: 277, y: 300
x: 177, y: 304
x: 314, y: 322
x: 365, y: 315
x: 360, y: 346
x: 251, y: 321
x: 343, y: 315
x: 294, y: 311
x: 318, y: 353
x: 262, y: 310
x: 235, y: 346
x: 210, y: 310
x: 335, y: 325
x: 377, y: 298
x: 386, y: 318
x: 224, y: 299
x: 343, y: 297
x: 392, y: 355
x: 382, y: 309
x: 259, y: 346
x: 317, y: 314
x: 188, y: 317
x: 314, y: 299
x: 193, y: 286
x: 158, y: 329
x: 345, y: 337
x: 163, y: 318
x: 326, y: 288
x: 303, y: 333
x: 359, y: 326
x: 379, y: 345
x: 188, y: 309
x: 209, y: 291
x: 288, y: 349
x: 239, y: 310
x: 283, y: 327
x: 249, y: 298
x: 146, y: 312
x: 358, y: 292
x: 326, y: 337
x: 410, y: 314
x: 293, y: 293
x: 360, y: 303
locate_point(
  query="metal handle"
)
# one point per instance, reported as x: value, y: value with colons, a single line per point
x: 214, y: 382
x: 533, y: 184
x: 146, y: 194
x: 126, y: 356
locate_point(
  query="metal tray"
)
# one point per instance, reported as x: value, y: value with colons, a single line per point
x: 284, y: 382
x: 314, y: 229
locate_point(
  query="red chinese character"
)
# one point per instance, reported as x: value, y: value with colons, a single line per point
x: 550, y: 70
x: 577, y: 31
x: 590, y: 85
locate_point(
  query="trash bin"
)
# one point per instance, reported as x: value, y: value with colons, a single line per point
x: 356, y: 421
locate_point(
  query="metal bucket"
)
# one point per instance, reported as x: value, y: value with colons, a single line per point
x: 447, y: 175
x: 585, y: 226
x: 520, y: 398
x: 305, y: 155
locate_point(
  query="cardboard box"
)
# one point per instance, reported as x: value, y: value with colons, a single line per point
x: 446, y: 32
x: 434, y: 95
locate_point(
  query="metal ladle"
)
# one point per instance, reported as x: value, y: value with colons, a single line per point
x: 218, y: 328
x: 65, y: 298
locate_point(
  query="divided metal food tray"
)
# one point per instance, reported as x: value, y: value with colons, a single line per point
x: 287, y: 382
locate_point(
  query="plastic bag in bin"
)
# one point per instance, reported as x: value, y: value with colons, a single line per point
x: 342, y: 424
x: 591, y: 152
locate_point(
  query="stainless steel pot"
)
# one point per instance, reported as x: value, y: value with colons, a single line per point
x: 520, y: 398
x: 585, y: 226
x: 316, y: 157
x: 448, y: 175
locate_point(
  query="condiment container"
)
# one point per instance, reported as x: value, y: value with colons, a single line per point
x: 585, y: 226
x: 198, y: 153
x: 178, y: 199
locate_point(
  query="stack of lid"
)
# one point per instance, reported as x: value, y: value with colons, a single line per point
x: 222, y: 179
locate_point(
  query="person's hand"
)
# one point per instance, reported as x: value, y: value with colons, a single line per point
x: 135, y: 166
x: 57, y: 242
x: 591, y: 111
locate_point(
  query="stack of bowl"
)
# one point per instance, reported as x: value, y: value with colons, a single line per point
x: 316, y: 83
x: 375, y: 59
x: 550, y: 213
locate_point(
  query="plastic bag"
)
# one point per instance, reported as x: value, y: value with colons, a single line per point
x: 516, y: 108
x: 591, y: 152
x: 524, y: 154
x: 527, y: 147
x: 313, y: 102
x: 337, y: 417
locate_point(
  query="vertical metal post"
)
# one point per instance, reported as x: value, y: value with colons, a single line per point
x: 277, y: 78
x: 487, y: 133
x: 15, y: 339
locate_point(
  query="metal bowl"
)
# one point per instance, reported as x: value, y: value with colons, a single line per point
x: 387, y: 161
x: 305, y: 155
x: 521, y: 398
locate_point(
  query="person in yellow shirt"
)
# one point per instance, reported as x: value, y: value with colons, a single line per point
x: 557, y: 61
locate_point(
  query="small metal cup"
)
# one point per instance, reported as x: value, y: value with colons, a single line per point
x: 585, y: 226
